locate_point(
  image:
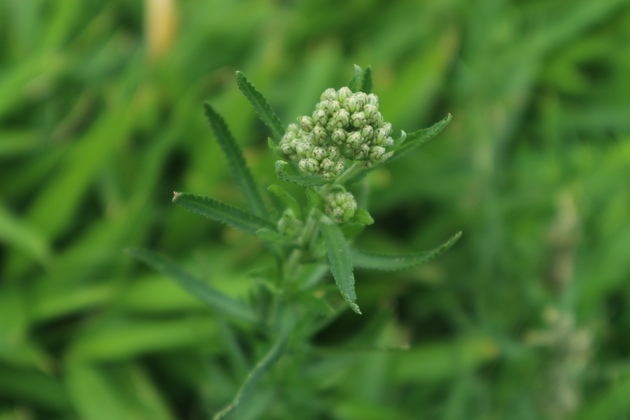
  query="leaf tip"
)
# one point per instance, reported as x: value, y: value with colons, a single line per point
x: 355, y: 308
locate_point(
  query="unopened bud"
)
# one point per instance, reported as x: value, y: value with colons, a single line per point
x: 341, y: 118
x: 343, y: 94
x: 309, y: 165
x: 358, y: 119
x: 329, y: 94
x: 320, y: 117
x: 339, y: 136
x: 306, y: 123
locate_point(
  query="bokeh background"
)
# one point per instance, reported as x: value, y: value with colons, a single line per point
x: 101, y: 119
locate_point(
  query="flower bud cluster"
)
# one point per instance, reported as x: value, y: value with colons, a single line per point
x: 340, y: 206
x: 344, y: 126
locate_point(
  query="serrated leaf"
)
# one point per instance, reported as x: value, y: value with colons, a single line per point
x: 287, y: 199
x: 261, y: 106
x: 386, y: 262
x: 221, y: 212
x: 193, y: 285
x: 340, y: 260
x: 366, y: 80
x: 271, y: 235
x: 236, y: 161
x: 418, y: 138
x: 362, y: 217
x: 355, y: 83
x: 301, y: 180
x: 255, y: 375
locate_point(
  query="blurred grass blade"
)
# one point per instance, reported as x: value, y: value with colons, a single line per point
x: 236, y: 161
x: 340, y: 260
x: 255, y: 375
x: 385, y: 262
x: 261, y: 106
x: 193, y: 285
x: 418, y: 138
x: 303, y: 181
x: 355, y: 83
x: 16, y: 233
x: 287, y: 199
x: 221, y: 212
x: 366, y: 80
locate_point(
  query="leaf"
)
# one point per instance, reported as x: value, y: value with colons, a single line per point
x: 236, y: 161
x: 366, y: 80
x: 255, y: 375
x: 271, y: 235
x: 193, y: 285
x: 418, y: 138
x: 221, y: 212
x: 355, y: 83
x: 261, y: 106
x: 287, y: 199
x: 340, y: 260
x: 386, y: 262
x: 301, y: 180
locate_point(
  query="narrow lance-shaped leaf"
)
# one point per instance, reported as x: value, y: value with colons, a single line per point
x: 366, y: 80
x: 355, y: 83
x: 193, y: 285
x: 221, y: 212
x: 418, y: 138
x: 236, y: 161
x: 301, y: 180
x: 261, y: 106
x: 340, y: 260
x: 255, y: 375
x: 386, y: 262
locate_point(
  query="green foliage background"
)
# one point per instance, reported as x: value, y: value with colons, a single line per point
x: 525, y: 318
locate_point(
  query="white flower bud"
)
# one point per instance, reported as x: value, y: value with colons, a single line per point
x: 286, y: 149
x: 333, y: 152
x: 389, y: 142
x: 380, y: 135
x: 333, y: 107
x: 377, y: 154
x: 329, y: 94
x: 361, y: 98
x: 367, y: 132
x: 378, y: 119
x: 358, y: 119
x: 352, y: 104
x: 339, y: 167
x: 303, y: 149
x: 319, y: 135
x: 327, y: 165
x: 340, y: 206
x: 387, y: 127
x: 363, y: 151
x: 306, y: 123
x: 341, y: 118
x: 354, y: 140
x: 339, y: 136
x: 309, y: 165
x: 370, y: 112
x: 372, y: 99
x: 318, y: 153
x: 320, y: 117
x: 343, y: 94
